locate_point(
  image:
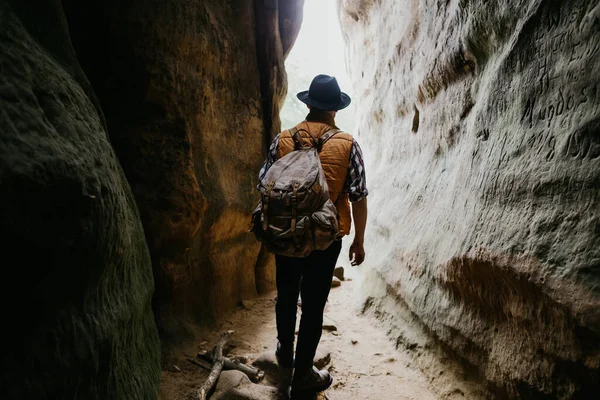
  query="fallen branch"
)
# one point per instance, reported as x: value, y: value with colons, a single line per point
x: 254, y: 374
x: 201, y: 363
x: 217, y: 367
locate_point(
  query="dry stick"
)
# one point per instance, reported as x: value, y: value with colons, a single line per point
x: 201, y: 363
x: 254, y: 374
x: 217, y: 367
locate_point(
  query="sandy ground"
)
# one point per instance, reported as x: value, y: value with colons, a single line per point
x: 364, y: 361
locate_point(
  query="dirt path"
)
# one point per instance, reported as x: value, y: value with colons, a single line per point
x: 364, y: 362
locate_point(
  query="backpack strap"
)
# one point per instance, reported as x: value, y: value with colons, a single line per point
x: 325, y: 137
x: 294, y: 204
x: 265, y: 205
x: 317, y: 142
x: 296, y: 137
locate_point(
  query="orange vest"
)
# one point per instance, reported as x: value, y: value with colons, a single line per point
x: 335, y: 158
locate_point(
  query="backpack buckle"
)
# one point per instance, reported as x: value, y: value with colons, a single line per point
x: 294, y: 200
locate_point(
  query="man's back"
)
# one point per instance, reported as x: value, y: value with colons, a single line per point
x: 334, y: 158
x: 310, y: 276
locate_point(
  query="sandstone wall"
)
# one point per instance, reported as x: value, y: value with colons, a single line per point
x: 76, y: 283
x: 191, y: 91
x: 481, y: 127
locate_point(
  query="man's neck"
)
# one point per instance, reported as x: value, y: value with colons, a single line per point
x: 324, y: 117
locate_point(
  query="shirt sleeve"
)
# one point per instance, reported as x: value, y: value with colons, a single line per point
x: 271, y: 157
x: 356, y: 181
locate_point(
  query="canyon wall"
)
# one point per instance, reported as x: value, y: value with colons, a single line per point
x: 191, y: 92
x: 132, y: 134
x: 77, y: 276
x: 480, y: 124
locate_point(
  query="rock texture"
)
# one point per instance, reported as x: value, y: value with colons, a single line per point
x: 77, y: 278
x: 481, y: 128
x: 235, y: 385
x: 191, y: 92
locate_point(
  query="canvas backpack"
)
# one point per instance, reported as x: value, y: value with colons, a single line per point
x: 295, y: 214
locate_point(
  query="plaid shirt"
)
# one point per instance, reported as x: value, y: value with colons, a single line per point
x: 356, y: 181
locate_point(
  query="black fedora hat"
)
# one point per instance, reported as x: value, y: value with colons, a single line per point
x: 325, y: 94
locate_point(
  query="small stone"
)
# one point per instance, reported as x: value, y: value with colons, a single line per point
x: 349, y: 280
x: 339, y: 273
x: 236, y: 385
x: 329, y: 328
x: 231, y: 379
x: 354, y: 341
x: 335, y: 282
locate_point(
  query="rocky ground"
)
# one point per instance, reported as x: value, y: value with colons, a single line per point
x: 355, y: 349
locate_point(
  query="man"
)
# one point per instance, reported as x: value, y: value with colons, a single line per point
x: 342, y: 162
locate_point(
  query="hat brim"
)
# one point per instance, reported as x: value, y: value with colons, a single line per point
x: 344, y: 102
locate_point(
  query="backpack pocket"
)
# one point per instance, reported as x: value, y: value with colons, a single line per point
x: 287, y: 243
x: 324, y: 226
x: 256, y: 222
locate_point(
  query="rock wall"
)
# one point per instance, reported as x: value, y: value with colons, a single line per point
x: 110, y: 107
x: 481, y: 127
x: 191, y: 91
x: 76, y: 283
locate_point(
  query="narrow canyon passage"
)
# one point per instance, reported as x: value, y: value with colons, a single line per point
x: 131, y: 134
x: 364, y: 362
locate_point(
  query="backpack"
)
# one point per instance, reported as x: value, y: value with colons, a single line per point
x: 295, y: 214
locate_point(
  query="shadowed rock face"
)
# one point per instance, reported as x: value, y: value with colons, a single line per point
x: 77, y: 276
x: 190, y: 101
x: 481, y: 127
x: 188, y: 95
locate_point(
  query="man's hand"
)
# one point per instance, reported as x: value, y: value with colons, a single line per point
x: 357, y: 253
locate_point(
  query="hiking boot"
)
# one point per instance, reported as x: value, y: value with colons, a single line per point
x: 310, y: 381
x: 285, y: 381
x: 285, y: 360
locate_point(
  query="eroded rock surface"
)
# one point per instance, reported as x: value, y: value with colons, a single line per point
x: 481, y: 129
x: 76, y: 283
x: 191, y: 93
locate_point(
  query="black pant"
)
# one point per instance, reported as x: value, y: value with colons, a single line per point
x: 311, y: 276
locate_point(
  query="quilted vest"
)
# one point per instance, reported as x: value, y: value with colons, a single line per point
x: 335, y: 157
